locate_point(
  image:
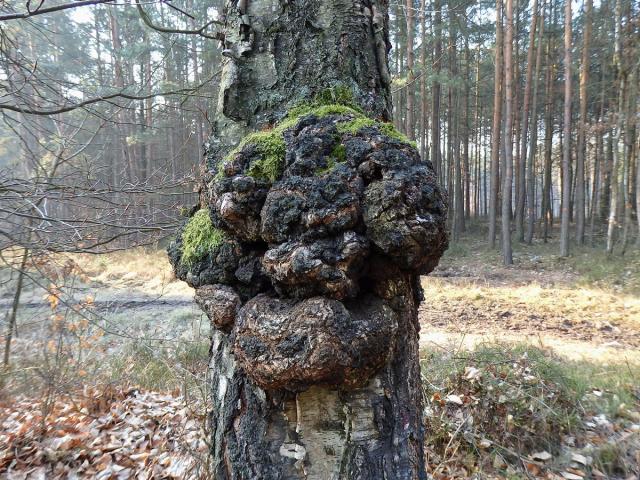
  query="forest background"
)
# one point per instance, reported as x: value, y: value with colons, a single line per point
x: 528, y: 111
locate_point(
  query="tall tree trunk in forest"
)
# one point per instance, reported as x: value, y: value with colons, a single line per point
x: 485, y: 192
x: 495, y: 131
x: 453, y: 132
x: 547, y: 206
x: 424, y: 111
x: 596, y: 184
x: 507, y: 255
x: 436, y: 156
x: 518, y: 180
x: 627, y: 163
x: 637, y: 156
x: 615, y: 167
x: 566, y: 150
x: 400, y: 113
x: 607, y: 170
x: 288, y: 53
x: 465, y: 134
x: 397, y: 60
x: 582, y: 125
x: 600, y: 168
x: 124, y: 122
x: 478, y: 139
x: 448, y: 178
x: 533, y: 141
x: 410, y: 126
x: 525, y: 125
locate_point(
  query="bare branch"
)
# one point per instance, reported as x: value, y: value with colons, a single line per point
x: 57, y: 8
x: 200, y: 31
x: 102, y: 98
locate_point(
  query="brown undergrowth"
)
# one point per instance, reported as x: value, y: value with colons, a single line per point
x: 558, y: 396
x: 532, y: 370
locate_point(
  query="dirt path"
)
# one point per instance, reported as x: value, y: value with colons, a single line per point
x: 110, y: 305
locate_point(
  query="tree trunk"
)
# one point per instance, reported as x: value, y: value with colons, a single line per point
x: 615, y: 167
x: 533, y: 143
x: 453, y: 133
x: 582, y: 125
x: 424, y: 111
x: 480, y: 174
x: 495, y: 131
x: 287, y: 54
x: 465, y: 136
x: 525, y: 125
x: 436, y: 156
x: 636, y: 150
x: 507, y: 255
x: 547, y: 207
x: 410, y: 127
x: 566, y: 150
x: 596, y: 185
x: 124, y: 122
x: 627, y: 164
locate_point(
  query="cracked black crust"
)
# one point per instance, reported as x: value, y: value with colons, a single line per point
x: 322, y: 229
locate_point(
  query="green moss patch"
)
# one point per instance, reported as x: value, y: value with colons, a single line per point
x: 272, y: 151
x: 199, y: 238
x: 270, y: 143
x: 338, y: 156
x: 390, y: 131
x: 339, y: 152
x: 355, y: 125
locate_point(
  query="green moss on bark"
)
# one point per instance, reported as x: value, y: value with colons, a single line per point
x: 270, y: 143
x: 199, y: 238
x: 338, y: 156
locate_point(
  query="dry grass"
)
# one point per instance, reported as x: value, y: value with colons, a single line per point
x: 575, y: 305
x: 147, y: 270
x: 138, y: 264
x: 586, y: 307
x: 492, y: 407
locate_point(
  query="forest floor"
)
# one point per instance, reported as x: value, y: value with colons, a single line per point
x: 531, y: 371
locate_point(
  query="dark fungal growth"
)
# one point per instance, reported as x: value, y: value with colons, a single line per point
x: 317, y: 232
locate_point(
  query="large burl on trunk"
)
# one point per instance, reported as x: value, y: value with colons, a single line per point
x: 307, y: 250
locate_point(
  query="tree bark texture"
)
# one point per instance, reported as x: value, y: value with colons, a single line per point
x: 278, y: 55
x: 614, y: 144
x: 520, y: 204
x: 436, y: 154
x: 533, y: 140
x: 507, y: 254
x: 566, y: 150
x: 496, y: 128
x: 411, y: 92
x: 582, y: 127
x: 335, y: 424
x: 547, y: 207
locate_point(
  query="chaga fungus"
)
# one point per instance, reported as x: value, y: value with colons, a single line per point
x: 312, y: 231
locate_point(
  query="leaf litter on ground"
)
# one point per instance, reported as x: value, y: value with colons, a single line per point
x: 501, y: 412
x: 108, y: 434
